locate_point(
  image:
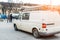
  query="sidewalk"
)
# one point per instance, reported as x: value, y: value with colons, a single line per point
x: 4, y: 22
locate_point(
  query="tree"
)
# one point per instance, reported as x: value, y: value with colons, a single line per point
x: 10, y: 5
x: 3, y: 9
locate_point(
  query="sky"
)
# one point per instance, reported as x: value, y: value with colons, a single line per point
x: 47, y: 2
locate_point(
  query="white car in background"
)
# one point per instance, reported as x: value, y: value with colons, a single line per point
x: 15, y: 15
x: 39, y: 23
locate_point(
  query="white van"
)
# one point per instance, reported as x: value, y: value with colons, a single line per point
x: 42, y: 23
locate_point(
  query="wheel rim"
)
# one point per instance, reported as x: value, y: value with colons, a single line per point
x: 35, y: 33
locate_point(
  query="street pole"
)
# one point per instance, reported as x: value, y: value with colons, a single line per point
x: 22, y: 8
x: 51, y: 6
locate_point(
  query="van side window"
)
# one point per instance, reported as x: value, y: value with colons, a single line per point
x: 25, y: 16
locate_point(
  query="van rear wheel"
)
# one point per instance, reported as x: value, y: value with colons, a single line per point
x: 35, y: 33
x: 15, y: 27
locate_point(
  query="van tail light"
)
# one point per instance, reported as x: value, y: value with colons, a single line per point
x: 43, y: 25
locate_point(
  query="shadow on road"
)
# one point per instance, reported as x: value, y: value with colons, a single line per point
x: 42, y: 37
x: 48, y: 37
x: 25, y: 32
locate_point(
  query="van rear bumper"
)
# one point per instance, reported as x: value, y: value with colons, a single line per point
x: 47, y: 34
x: 50, y: 31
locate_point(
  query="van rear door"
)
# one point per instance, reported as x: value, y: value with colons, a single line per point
x: 51, y: 19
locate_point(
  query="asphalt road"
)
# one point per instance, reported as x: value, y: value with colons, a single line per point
x: 7, y: 32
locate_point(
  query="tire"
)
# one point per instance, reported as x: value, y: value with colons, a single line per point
x: 15, y: 27
x: 35, y: 33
